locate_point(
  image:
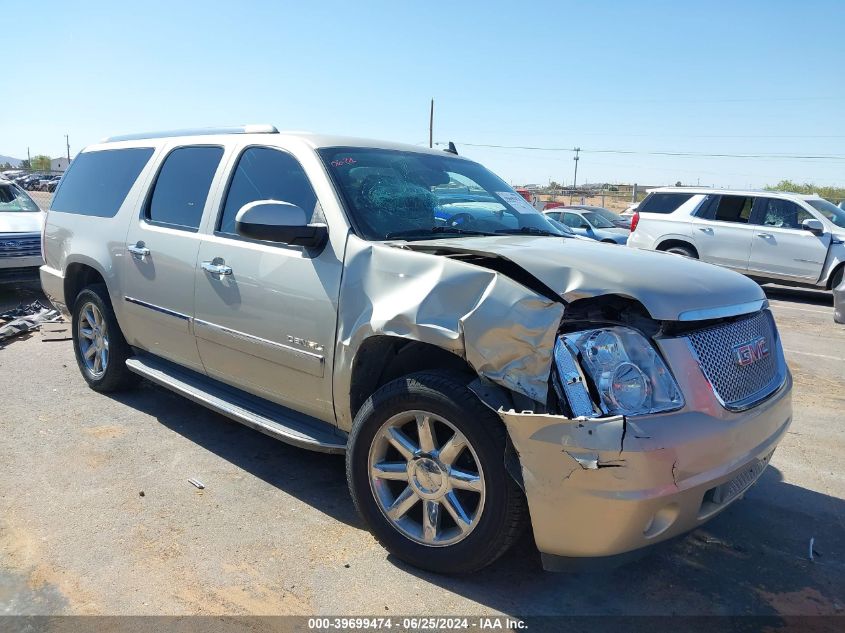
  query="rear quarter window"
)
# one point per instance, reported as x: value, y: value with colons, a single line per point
x: 97, y: 182
x: 663, y: 202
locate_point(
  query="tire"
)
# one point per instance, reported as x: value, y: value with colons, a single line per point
x: 496, y: 507
x: 104, y: 373
x: 837, y: 278
x: 686, y: 251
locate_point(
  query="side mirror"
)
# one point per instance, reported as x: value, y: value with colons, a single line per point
x: 813, y: 226
x: 274, y: 221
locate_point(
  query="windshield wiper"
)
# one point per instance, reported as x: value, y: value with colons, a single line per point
x: 433, y: 230
x: 531, y: 230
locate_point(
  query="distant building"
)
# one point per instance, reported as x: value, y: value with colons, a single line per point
x: 59, y: 164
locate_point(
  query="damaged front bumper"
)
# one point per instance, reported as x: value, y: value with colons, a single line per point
x: 603, y: 487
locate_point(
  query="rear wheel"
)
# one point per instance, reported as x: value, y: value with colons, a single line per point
x: 101, y: 351
x: 426, y: 472
x: 686, y: 251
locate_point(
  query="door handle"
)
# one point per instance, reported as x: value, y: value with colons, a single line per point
x: 216, y: 269
x: 765, y: 235
x: 139, y: 251
x: 705, y: 229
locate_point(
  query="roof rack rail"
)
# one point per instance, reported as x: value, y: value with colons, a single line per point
x: 231, y: 129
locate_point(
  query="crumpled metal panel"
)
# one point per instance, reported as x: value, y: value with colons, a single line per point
x: 504, y: 330
x: 577, y: 269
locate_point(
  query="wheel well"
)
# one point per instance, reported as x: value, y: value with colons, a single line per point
x: 665, y: 245
x: 381, y: 359
x: 77, y: 277
x: 836, y: 271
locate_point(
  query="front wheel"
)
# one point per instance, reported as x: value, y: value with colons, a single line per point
x: 426, y: 472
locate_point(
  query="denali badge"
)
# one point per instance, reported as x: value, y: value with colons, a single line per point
x: 301, y: 342
x: 752, y: 351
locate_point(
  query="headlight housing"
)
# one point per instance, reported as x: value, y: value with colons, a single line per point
x: 623, y: 369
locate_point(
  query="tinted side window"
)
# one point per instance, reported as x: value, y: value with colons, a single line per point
x: 734, y: 209
x: 181, y: 188
x: 572, y: 220
x: 97, y: 182
x: 782, y: 214
x: 266, y: 174
x: 663, y: 202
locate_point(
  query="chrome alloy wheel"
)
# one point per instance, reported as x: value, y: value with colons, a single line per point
x: 426, y: 478
x: 92, y: 335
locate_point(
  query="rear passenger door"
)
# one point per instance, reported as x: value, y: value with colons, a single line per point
x: 722, y: 230
x: 780, y: 248
x: 267, y: 325
x: 161, y: 255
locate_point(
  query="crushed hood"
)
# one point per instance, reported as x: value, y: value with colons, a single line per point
x: 667, y: 285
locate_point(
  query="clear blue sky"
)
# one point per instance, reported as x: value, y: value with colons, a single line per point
x: 763, y: 76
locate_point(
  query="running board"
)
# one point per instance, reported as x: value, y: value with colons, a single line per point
x: 262, y: 415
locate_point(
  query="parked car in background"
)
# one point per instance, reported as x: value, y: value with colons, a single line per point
x: 20, y: 234
x: 614, y: 218
x: 590, y: 224
x: 43, y: 183
x: 842, y: 205
x: 52, y: 184
x: 629, y: 212
x: 474, y: 368
x: 771, y: 236
x: 30, y: 181
x: 553, y: 205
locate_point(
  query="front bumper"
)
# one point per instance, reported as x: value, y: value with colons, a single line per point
x: 604, y: 487
x: 19, y: 269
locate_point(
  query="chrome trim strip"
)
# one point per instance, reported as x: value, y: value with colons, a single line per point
x: 156, y: 308
x: 260, y: 341
x: 724, y: 311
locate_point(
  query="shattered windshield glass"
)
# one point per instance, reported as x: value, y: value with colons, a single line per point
x: 13, y: 198
x: 393, y: 194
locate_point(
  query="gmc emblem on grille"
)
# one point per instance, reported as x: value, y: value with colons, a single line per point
x: 750, y: 352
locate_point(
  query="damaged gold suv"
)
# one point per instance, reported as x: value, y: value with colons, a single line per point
x: 477, y: 365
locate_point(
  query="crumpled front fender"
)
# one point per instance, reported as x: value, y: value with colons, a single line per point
x: 504, y: 330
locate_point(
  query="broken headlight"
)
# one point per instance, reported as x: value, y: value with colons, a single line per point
x: 619, y: 366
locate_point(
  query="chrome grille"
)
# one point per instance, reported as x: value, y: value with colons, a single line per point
x: 739, y: 386
x: 20, y: 246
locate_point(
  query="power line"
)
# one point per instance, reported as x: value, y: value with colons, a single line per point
x: 657, y: 153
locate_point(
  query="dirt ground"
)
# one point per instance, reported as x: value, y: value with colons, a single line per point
x: 97, y: 515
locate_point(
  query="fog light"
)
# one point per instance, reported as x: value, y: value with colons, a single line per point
x: 662, y: 520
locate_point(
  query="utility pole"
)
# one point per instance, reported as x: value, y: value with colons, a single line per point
x: 575, y: 178
x: 431, y: 125
x: 67, y: 142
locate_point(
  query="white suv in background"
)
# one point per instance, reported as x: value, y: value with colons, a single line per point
x: 771, y: 236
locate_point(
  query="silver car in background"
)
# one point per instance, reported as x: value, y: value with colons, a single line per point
x: 771, y: 236
x: 589, y: 223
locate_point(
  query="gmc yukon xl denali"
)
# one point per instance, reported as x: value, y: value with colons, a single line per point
x: 406, y: 307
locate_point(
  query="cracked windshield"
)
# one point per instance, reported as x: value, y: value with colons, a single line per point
x: 413, y: 196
